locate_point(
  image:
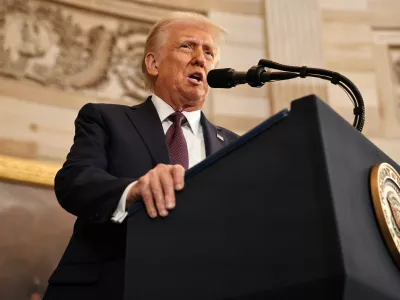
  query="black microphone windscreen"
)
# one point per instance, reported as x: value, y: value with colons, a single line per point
x: 220, y: 78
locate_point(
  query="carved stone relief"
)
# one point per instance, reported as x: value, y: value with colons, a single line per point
x: 396, y: 64
x: 73, y: 50
x: 395, y: 61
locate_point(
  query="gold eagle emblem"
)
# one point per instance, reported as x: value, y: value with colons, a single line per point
x: 385, y: 190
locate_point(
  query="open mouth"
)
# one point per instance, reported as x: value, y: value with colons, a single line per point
x: 196, y: 77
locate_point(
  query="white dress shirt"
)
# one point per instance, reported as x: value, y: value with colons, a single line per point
x: 193, y: 132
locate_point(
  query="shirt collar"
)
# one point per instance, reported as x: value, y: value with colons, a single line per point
x: 164, y: 110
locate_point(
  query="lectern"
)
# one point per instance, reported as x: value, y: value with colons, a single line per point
x: 284, y: 213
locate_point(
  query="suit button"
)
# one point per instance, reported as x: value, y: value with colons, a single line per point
x: 96, y: 216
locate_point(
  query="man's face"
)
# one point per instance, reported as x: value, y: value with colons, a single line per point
x: 182, y: 64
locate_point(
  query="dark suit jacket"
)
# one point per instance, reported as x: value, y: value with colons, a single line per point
x: 113, y: 146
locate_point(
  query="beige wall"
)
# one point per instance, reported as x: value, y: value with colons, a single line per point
x: 97, y: 60
x: 361, y: 40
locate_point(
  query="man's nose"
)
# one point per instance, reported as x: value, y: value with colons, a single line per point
x: 198, y: 58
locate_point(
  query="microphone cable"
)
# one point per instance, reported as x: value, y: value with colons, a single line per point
x: 335, y: 78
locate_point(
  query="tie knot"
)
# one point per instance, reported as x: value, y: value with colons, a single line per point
x: 178, y: 118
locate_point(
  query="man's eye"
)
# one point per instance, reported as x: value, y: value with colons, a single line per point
x: 185, y: 46
x: 209, y: 53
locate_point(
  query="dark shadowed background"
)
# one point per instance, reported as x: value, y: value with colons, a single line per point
x: 34, y: 231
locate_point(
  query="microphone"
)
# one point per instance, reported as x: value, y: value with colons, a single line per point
x: 228, y: 78
x: 256, y: 76
x: 225, y: 78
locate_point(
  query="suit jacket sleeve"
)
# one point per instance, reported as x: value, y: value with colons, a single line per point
x: 83, y: 186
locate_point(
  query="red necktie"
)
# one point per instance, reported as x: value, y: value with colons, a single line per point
x: 176, y: 140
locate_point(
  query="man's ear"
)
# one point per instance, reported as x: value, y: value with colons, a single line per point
x: 151, y: 64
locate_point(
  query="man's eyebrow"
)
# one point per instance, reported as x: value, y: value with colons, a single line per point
x: 196, y: 41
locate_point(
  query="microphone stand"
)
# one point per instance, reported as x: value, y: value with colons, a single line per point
x: 257, y: 76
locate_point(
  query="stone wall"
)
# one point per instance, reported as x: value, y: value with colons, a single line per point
x: 362, y: 40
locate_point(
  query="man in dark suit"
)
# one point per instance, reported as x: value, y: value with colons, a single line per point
x: 123, y: 156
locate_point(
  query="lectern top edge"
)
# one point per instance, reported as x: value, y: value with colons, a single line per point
x: 267, y: 124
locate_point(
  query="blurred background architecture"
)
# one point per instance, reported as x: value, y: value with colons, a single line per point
x: 57, y: 55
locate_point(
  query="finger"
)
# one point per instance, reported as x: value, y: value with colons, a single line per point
x: 167, y: 183
x: 147, y: 197
x: 158, y: 193
x: 178, y: 174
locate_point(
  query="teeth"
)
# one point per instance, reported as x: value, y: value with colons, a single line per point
x: 195, y: 77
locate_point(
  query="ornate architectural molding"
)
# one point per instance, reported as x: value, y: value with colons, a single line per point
x: 396, y: 68
x: 248, y: 7
x: 75, y: 49
x: 387, y: 67
x: 395, y: 63
x: 145, y: 12
x: 28, y: 171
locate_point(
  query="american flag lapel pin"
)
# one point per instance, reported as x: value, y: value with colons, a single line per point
x: 220, y: 137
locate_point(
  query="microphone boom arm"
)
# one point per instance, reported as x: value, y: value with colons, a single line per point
x: 256, y: 76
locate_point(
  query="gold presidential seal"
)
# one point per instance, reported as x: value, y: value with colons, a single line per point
x: 385, y: 190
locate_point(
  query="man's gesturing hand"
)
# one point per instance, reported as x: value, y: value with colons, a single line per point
x: 157, y: 189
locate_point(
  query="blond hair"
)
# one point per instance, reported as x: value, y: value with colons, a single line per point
x: 156, y: 38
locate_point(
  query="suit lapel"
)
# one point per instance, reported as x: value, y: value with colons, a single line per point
x: 145, y: 119
x: 147, y: 123
x: 213, y: 138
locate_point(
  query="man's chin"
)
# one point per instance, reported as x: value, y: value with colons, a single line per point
x: 194, y: 101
